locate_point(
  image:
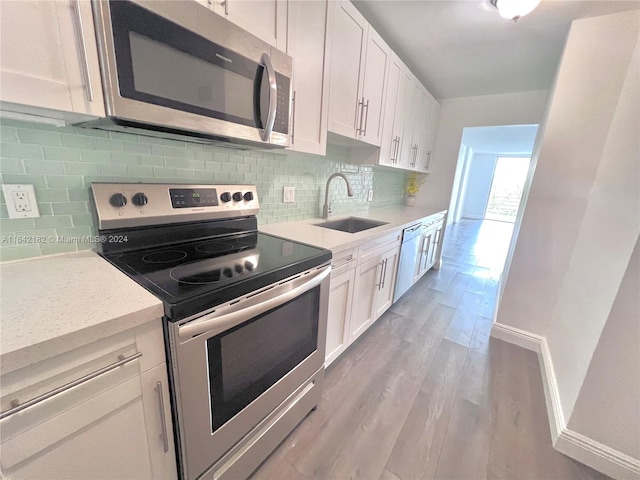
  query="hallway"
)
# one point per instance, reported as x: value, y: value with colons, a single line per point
x: 426, y: 393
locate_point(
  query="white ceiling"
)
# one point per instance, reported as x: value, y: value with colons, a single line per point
x: 508, y: 139
x: 461, y: 48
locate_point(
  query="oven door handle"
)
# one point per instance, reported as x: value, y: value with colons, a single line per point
x: 217, y: 323
x: 265, y: 134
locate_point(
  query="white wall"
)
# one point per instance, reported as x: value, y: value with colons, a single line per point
x: 610, y: 225
x: 582, y: 221
x: 456, y: 113
x: 607, y: 407
x: 478, y: 185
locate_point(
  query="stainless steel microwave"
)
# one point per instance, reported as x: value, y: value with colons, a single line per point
x: 176, y: 68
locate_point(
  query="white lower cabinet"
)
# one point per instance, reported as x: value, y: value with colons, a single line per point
x: 364, y: 302
x: 361, y: 290
x: 340, y: 301
x: 384, y: 292
x: 108, y: 425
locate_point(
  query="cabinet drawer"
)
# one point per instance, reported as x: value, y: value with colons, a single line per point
x: 343, y: 261
x: 379, y: 245
x: 34, y: 380
x: 29, y: 436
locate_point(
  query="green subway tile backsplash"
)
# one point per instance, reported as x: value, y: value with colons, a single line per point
x: 62, y: 162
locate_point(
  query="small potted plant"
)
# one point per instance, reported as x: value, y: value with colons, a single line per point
x: 413, y: 187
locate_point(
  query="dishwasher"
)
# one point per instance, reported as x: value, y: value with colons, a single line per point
x: 408, y: 258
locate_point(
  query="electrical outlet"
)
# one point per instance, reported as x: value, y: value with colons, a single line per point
x: 21, y: 201
x: 370, y: 195
x: 289, y: 195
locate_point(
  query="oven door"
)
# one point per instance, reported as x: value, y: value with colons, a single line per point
x: 237, y: 364
x: 169, y: 64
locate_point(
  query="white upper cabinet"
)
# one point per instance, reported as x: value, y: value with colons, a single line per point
x: 307, y: 24
x: 49, y: 58
x: 376, y: 66
x: 407, y: 143
x: 429, y: 131
x: 266, y: 19
x: 359, y: 65
x: 348, y: 44
x: 393, y: 113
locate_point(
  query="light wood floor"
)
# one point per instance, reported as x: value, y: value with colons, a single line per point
x: 425, y: 393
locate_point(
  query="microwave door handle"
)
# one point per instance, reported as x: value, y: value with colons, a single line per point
x: 273, y: 97
x: 216, y: 323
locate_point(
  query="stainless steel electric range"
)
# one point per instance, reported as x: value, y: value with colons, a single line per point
x: 245, y: 315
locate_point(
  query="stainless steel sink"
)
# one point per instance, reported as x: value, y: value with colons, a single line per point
x: 351, y: 224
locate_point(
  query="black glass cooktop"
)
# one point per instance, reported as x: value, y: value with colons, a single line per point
x: 196, y: 276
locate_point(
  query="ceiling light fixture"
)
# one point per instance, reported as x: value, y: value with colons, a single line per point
x: 514, y: 9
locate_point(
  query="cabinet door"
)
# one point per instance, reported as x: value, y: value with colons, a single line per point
x: 427, y: 251
x: 347, y: 61
x: 375, y: 74
x: 157, y: 413
x: 306, y: 45
x: 384, y: 293
x: 49, y: 56
x: 422, y: 106
x: 407, y: 145
x: 367, y: 281
x: 429, y: 134
x: 389, y: 143
x: 433, y: 253
x: 266, y: 19
x: 340, y: 305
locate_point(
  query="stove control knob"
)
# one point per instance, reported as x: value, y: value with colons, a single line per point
x: 140, y: 199
x: 248, y: 265
x: 225, y: 197
x: 238, y: 268
x: 118, y: 200
x: 237, y: 196
x: 227, y: 272
x: 248, y: 196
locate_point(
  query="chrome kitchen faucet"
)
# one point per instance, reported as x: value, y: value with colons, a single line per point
x: 326, y: 210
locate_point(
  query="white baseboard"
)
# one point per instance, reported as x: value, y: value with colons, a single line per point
x: 598, y: 456
x: 575, y: 445
x: 522, y: 338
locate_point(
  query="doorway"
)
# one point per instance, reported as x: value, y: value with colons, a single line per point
x: 507, y: 186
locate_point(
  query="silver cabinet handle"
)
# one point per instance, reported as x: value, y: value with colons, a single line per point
x: 225, y: 4
x: 219, y: 322
x: 356, y: 120
x: 393, y: 150
x: 164, y: 435
x: 395, y: 159
x: 359, y: 120
x: 366, y: 118
x: 384, y: 276
x: 379, y: 284
x: 19, y: 407
x: 428, y: 162
x: 273, y: 97
x: 84, y: 59
x: 293, y: 118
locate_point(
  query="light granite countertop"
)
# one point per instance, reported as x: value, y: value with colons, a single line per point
x: 307, y: 231
x: 50, y: 305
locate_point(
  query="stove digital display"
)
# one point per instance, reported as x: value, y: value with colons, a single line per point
x: 193, y: 197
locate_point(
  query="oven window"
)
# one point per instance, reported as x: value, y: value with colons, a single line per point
x: 248, y: 359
